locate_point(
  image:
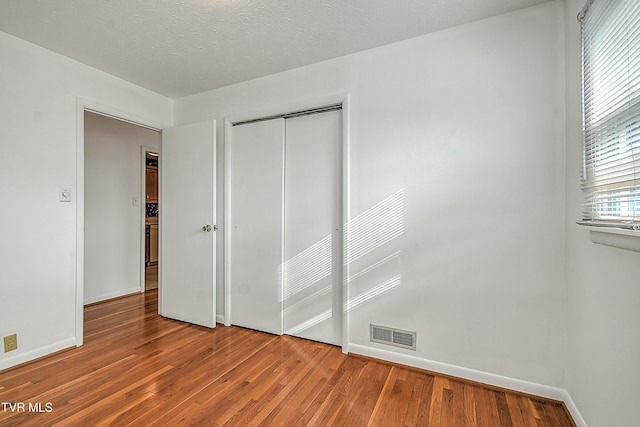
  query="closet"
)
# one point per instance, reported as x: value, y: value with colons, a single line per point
x: 285, y: 225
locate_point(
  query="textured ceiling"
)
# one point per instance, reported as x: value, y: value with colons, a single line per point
x: 182, y: 47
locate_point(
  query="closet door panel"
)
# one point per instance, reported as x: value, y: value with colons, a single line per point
x: 256, y: 219
x: 313, y: 230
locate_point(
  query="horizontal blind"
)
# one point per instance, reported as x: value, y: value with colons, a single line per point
x: 611, y: 112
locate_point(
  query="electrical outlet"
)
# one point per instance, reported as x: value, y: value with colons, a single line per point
x: 10, y: 343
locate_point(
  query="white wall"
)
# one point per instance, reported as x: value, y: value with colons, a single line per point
x: 113, y: 176
x: 603, y: 286
x: 38, y: 96
x: 460, y: 133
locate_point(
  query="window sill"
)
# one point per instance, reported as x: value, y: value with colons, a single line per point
x: 615, y: 237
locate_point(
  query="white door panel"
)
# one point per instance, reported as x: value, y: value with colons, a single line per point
x: 313, y: 230
x: 187, y: 252
x: 256, y: 225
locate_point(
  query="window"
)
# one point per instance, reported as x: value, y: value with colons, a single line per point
x: 611, y: 113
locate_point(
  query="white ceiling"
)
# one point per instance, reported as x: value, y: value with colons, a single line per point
x: 182, y: 47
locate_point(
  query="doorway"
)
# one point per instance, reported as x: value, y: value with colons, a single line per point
x: 189, y: 141
x: 115, y: 206
x: 152, y: 208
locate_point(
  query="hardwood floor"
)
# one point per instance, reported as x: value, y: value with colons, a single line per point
x: 151, y: 277
x: 137, y: 368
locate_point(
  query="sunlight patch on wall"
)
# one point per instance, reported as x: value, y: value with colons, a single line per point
x: 375, y: 227
x: 374, y: 266
x: 373, y: 292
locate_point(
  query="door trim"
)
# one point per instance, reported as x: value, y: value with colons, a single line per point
x: 82, y: 105
x: 343, y: 98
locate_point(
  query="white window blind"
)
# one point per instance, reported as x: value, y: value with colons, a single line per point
x: 611, y: 113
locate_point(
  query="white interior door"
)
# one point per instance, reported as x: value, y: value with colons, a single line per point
x: 187, y: 219
x: 256, y: 225
x: 313, y: 230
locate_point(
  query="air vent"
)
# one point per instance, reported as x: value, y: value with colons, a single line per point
x: 395, y: 337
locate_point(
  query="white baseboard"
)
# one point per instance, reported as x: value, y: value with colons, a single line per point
x: 573, y: 410
x: 34, y: 354
x: 111, y: 295
x: 220, y: 318
x: 541, y: 390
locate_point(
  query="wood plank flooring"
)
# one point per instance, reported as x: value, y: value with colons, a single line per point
x: 151, y: 277
x: 137, y: 368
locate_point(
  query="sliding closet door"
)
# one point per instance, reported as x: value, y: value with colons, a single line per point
x: 313, y: 229
x: 256, y: 225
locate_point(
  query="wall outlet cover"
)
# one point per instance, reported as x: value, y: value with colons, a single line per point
x: 10, y: 343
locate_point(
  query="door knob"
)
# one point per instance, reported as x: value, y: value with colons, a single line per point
x: 206, y: 228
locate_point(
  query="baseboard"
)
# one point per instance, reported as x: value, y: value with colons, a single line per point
x: 111, y: 295
x: 460, y: 372
x: 573, y: 410
x: 220, y: 318
x: 37, y: 353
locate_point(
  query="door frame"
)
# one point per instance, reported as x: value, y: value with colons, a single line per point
x: 82, y: 105
x: 344, y: 99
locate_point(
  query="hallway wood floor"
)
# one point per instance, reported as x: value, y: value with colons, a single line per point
x: 137, y: 368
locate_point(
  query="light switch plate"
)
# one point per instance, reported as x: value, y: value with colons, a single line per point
x: 64, y: 194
